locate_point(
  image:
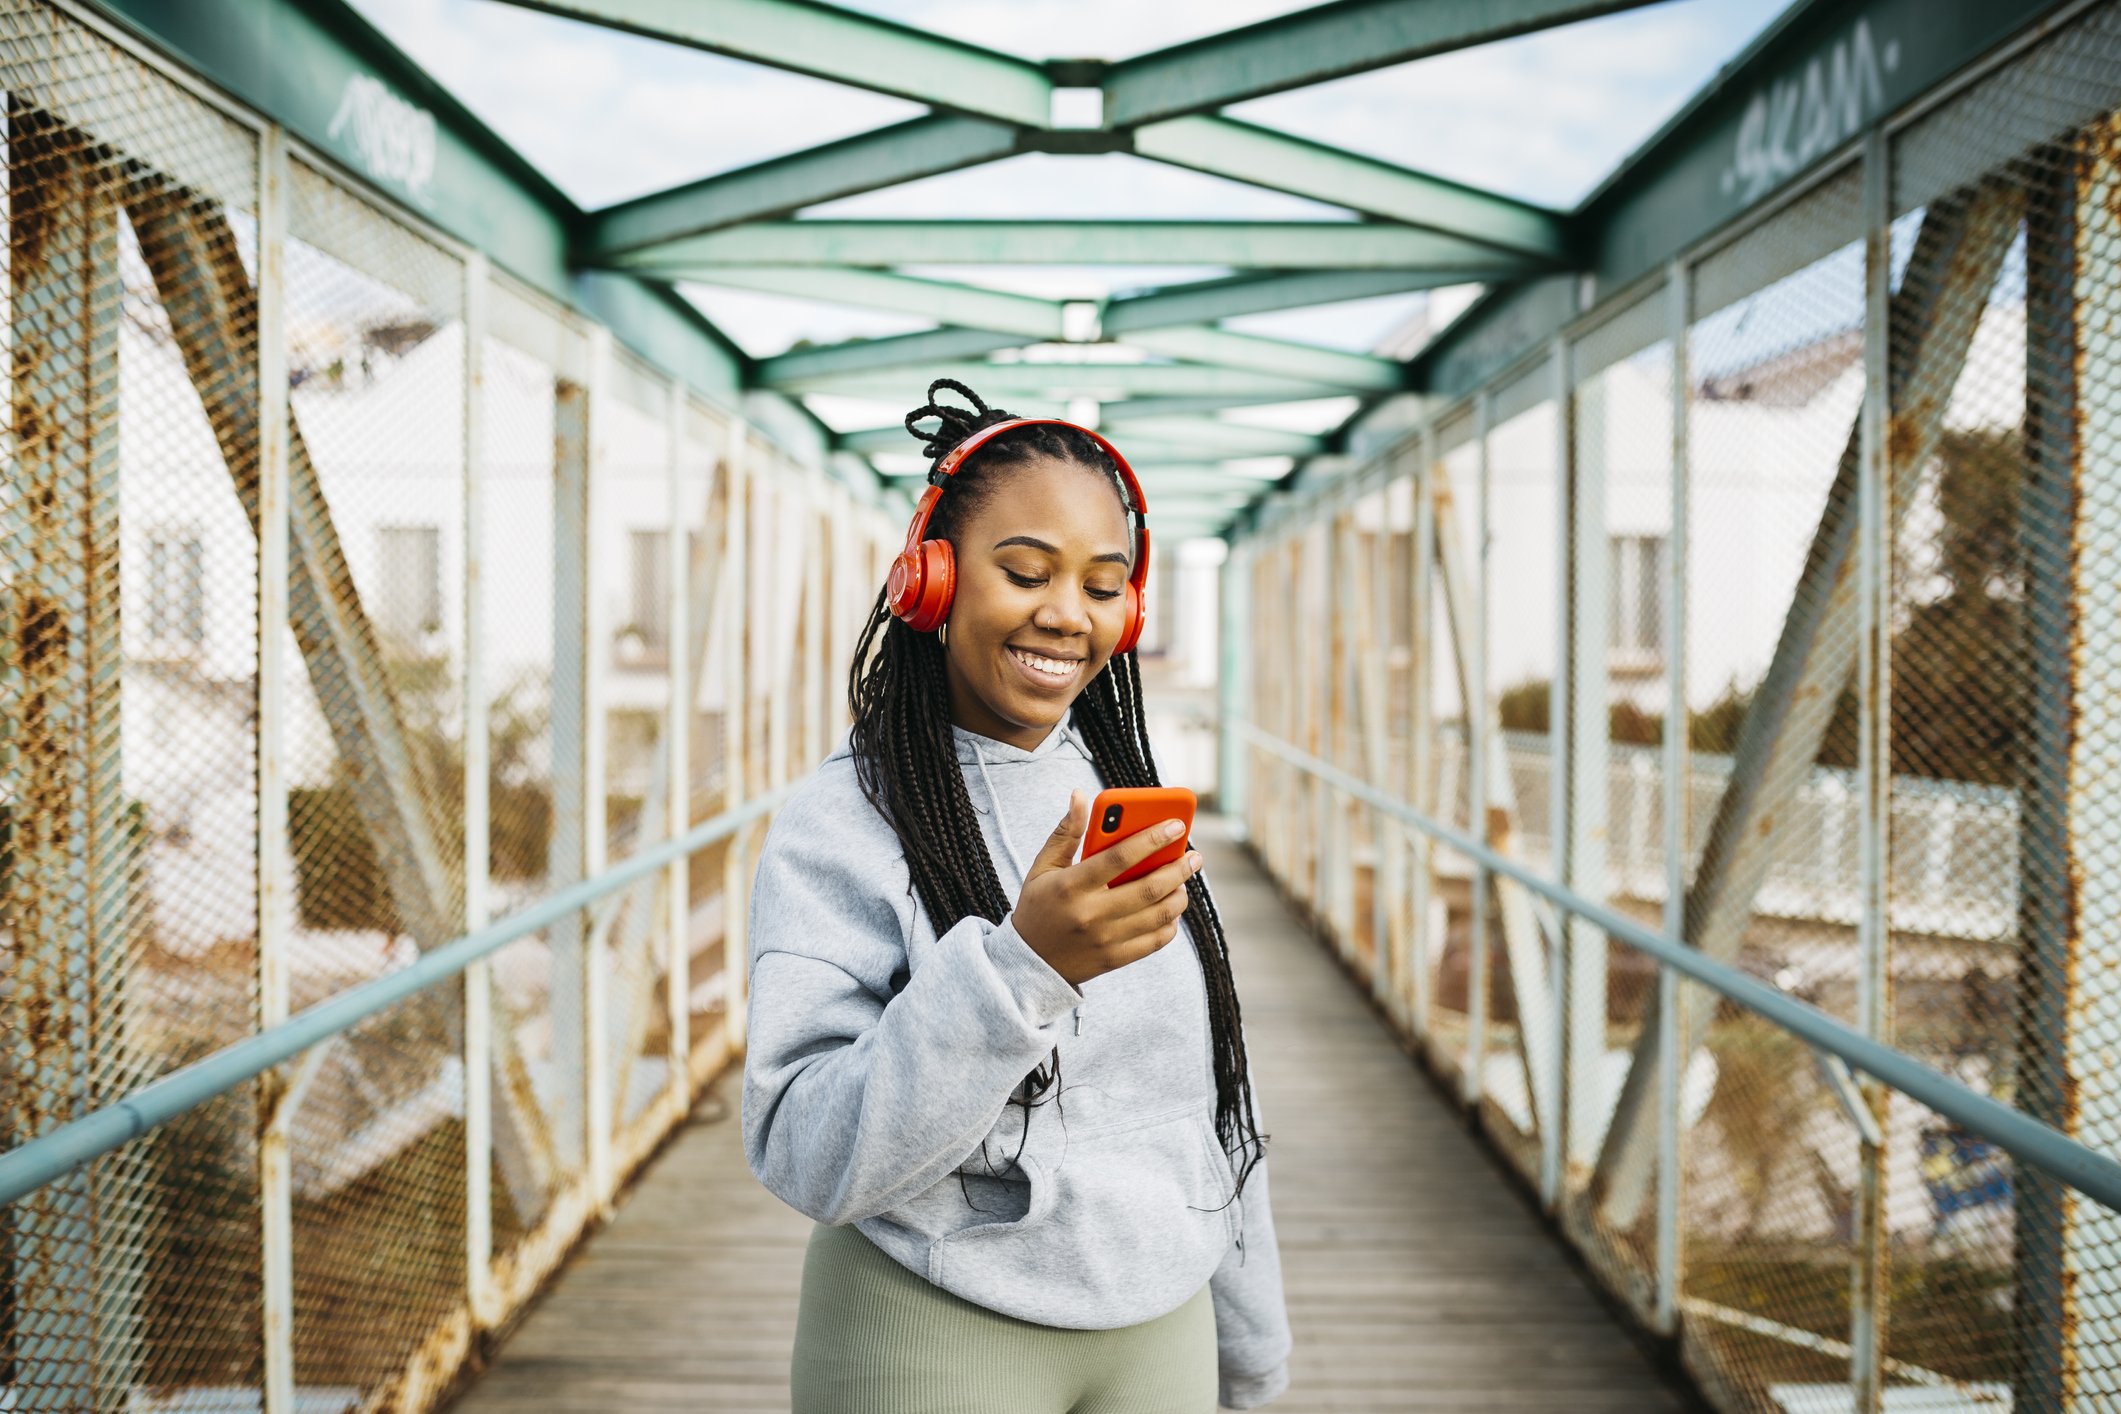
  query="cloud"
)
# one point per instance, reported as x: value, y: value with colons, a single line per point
x: 608, y: 115
x: 1545, y: 116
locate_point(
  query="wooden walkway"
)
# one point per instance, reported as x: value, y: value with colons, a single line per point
x: 1418, y: 1278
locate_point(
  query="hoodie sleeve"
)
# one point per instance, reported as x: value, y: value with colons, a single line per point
x: 856, y: 1099
x: 1251, y: 1318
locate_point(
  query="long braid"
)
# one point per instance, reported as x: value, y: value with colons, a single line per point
x: 906, y: 758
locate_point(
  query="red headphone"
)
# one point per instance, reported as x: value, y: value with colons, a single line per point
x: 924, y: 576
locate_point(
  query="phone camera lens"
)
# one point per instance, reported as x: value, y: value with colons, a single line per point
x: 1111, y: 821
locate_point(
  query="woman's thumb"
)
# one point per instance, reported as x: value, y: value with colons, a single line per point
x: 1059, y: 849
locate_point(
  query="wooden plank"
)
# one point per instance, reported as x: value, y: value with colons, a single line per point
x: 1418, y: 1277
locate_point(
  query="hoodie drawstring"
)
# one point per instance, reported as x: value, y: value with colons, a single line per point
x: 1001, y: 827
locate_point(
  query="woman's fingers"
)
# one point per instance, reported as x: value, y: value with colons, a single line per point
x: 1154, y: 888
x: 1108, y: 864
x: 1145, y: 922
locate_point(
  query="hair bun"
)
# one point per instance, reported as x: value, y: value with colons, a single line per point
x: 954, y: 424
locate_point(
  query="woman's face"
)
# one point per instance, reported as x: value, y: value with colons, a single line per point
x: 1041, y: 599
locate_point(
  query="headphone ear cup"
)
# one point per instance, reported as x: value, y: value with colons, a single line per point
x: 902, y: 589
x: 938, y: 587
x: 1137, y: 619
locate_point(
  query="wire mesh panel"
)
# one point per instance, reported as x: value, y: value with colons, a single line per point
x: 1621, y: 520
x: 128, y: 667
x: 2004, y: 370
x: 1768, y: 1205
x: 631, y: 515
x: 1518, y: 1067
x: 537, y: 1001
x: 704, y: 503
x: 375, y: 763
x: 1461, y: 716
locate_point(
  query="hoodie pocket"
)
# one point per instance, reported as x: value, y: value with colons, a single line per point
x: 1122, y: 1227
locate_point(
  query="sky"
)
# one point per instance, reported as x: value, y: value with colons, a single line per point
x: 610, y: 116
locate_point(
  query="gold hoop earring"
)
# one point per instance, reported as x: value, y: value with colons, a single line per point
x: 942, y: 635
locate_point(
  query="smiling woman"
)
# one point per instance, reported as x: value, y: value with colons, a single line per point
x: 908, y: 1021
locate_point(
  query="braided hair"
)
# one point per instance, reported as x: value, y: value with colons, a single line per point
x: 906, y: 758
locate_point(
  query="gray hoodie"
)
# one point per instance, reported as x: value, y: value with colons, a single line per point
x: 881, y: 1059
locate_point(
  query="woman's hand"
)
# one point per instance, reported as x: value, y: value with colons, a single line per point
x: 1082, y: 927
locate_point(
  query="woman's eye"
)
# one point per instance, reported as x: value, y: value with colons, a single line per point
x: 1104, y: 593
x: 1022, y: 581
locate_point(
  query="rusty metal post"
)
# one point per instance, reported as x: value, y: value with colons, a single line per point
x: 482, y: 1294
x: 1421, y: 726
x: 1235, y: 682
x: 1480, y: 731
x: 2042, y: 1310
x: 1551, y: 1118
x: 1868, y: 1291
x: 817, y: 582
x: 677, y: 754
x: 597, y: 1088
x: 1388, y: 918
x: 736, y: 687
x: 74, y: 905
x: 571, y: 792
x: 1677, y: 768
x: 276, y: 915
x: 1581, y: 857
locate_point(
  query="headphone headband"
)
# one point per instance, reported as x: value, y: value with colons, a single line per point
x: 947, y: 466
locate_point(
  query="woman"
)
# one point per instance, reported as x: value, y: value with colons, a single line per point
x: 1025, y: 1127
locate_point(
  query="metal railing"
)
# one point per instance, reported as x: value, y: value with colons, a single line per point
x: 2092, y: 1173
x: 1830, y: 500
x: 352, y: 593
x: 25, y: 1169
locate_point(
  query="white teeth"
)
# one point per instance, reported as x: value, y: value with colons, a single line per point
x: 1039, y: 663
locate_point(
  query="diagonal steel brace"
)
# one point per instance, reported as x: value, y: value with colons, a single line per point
x: 1935, y: 313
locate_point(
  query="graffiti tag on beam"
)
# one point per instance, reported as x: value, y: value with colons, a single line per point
x: 1799, y: 115
x: 393, y: 140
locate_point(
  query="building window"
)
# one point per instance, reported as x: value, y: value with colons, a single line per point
x: 1638, y: 607
x: 648, y: 590
x: 176, y: 591
x: 410, y: 606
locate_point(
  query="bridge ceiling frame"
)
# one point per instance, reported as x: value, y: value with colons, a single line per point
x: 740, y: 229
x: 1719, y: 159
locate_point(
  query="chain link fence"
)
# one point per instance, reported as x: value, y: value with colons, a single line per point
x: 518, y: 638
x: 1868, y: 437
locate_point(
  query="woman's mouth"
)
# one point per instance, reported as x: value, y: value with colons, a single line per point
x: 1045, y: 671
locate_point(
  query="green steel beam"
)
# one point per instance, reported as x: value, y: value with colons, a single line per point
x: 946, y: 302
x: 972, y: 307
x: 904, y: 152
x: 1282, y: 357
x: 1177, y: 483
x: 1205, y: 301
x: 1311, y: 46
x: 1791, y: 103
x: 1278, y: 245
x: 1236, y: 473
x: 1182, y: 441
x: 827, y: 42
x: 1135, y: 409
x: 1223, y: 147
x: 1205, y: 437
x: 1106, y: 382
x: 922, y: 350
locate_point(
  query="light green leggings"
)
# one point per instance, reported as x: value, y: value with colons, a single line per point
x: 873, y: 1338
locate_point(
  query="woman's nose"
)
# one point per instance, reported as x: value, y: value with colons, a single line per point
x: 1064, y: 611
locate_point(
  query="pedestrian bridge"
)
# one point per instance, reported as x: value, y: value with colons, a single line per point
x: 1657, y: 704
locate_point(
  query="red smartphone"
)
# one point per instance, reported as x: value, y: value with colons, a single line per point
x: 1119, y: 812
